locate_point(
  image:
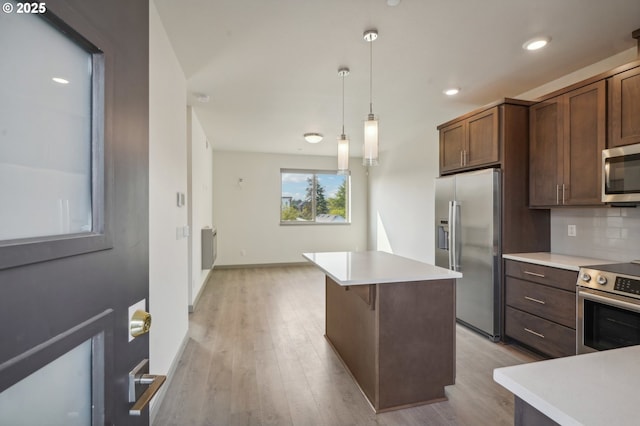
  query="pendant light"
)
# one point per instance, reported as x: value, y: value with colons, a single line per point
x: 343, y: 141
x: 370, y: 150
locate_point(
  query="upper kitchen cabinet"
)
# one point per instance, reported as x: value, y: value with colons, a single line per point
x: 497, y: 136
x: 474, y: 140
x: 624, y: 108
x: 567, y: 136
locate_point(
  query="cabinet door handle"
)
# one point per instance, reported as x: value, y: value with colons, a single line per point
x: 461, y: 158
x: 557, y: 194
x: 563, y: 193
x: 534, y: 333
x: 466, y: 158
x: 542, y: 302
x: 535, y: 274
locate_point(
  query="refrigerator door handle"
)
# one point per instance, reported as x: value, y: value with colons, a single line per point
x: 454, y: 217
x: 452, y: 233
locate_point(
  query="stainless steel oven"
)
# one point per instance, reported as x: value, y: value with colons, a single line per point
x: 608, y: 307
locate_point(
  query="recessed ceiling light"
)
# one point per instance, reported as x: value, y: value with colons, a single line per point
x: 313, y: 137
x: 452, y: 91
x: 536, y: 43
x: 60, y: 80
x: 393, y: 2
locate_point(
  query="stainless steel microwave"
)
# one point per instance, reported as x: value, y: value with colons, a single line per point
x: 621, y: 174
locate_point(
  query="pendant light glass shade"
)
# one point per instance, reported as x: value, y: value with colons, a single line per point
x: 343, y: 154
x: 370, y: 147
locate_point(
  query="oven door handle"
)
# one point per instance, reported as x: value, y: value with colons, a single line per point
x: 609, y: 301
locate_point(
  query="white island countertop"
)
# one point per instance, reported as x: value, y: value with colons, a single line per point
x: 562, y: 261
x: 600, y: 388
x: 376, y: 267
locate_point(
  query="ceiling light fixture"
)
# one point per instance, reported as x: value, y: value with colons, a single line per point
x: 370, y: 150
x: 313, y: 137
x: 536, y: 43
x: 60, y: 80
x: 343, y: 141
x: 452, y: 91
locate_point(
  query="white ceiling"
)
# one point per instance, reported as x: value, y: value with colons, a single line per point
x: 270, y: 66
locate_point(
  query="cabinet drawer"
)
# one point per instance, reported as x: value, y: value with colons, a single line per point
x: 554, y: 277
x: 545, y: 336
x: 547, y: 302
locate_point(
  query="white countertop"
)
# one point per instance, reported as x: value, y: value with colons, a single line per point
x: 376, y: 267
x: 601, y: 388
x: 562, y: 261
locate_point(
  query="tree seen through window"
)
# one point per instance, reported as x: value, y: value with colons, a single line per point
x: 314, y: 197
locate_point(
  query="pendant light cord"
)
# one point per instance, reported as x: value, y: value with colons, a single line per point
x: 343, y: 104
x: 371, y: 77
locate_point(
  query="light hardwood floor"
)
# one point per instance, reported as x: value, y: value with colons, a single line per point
x: 256, y: 355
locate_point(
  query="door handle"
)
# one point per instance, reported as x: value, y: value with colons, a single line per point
x: 140, y: 323
x: 139, y: 377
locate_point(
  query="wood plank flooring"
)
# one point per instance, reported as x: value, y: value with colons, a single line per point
x: 256, y: 355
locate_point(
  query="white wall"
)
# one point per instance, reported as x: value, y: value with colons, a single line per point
x: 168, y: 265
x: 401, y: 199
x: 199, y: 199
x: 247, y: 216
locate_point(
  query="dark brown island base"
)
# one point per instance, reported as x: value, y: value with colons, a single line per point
x: 391, y: 321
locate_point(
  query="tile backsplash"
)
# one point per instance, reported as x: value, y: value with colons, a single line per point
x: 602, y: 233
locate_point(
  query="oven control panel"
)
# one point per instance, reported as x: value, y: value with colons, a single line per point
x: 609, y: 282
x: 627, y: 285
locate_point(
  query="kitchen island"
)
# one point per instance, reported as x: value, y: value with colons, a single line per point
x: 599, y: 388
x: 391, y: 321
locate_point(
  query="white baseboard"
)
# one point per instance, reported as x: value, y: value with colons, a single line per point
x: 156, y: 402
x: 192, y: 308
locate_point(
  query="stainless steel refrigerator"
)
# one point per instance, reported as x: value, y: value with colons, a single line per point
x: 467, y: 214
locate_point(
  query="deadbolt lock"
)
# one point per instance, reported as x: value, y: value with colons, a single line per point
x: 140, y: 323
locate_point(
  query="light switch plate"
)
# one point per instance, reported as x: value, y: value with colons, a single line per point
x: 571, y: 230
x: 139, y: 306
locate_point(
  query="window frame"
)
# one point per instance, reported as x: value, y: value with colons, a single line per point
x: 313, y: 206
x: 24, y: 251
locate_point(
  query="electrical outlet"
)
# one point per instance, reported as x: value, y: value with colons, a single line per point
x: 571, y: 230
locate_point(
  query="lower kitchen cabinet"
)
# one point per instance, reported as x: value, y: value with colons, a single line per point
x: 541, y: 307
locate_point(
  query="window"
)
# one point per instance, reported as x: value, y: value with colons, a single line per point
x: 314, y: 197
x: 52, y: 149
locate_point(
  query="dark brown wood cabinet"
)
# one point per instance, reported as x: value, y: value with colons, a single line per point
x: 567, y: 136
x: 624, y: 108
x: 471, y: 142
x: 397, y: 340
x: 541, y: 307
x: 497, y: 135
